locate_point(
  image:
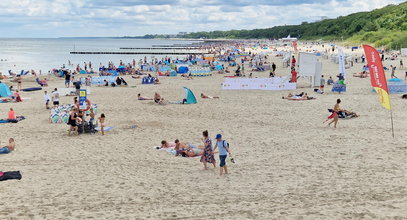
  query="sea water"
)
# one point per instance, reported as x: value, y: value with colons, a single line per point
x: 48, y: 54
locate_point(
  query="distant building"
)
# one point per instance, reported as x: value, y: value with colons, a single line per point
x: 182, y: 33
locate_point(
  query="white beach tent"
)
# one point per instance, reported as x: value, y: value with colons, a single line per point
x: 309, y: 66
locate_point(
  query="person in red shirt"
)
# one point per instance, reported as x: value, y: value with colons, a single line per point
x: 293, y: 61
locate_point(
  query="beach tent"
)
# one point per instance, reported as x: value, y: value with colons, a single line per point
x: 189, y: 96
x: 5, y: 90
x: 183, y: 69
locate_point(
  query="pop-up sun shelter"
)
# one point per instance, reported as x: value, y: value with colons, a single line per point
x: 189, y: 96
x: 5, y: 90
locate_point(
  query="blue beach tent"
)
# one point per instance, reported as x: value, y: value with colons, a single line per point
x: 5, y: 90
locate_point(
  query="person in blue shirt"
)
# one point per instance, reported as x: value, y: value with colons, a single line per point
x: 223, y: 147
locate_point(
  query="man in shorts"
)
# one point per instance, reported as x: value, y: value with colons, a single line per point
x: 55, y: 97
x: 223, y: 147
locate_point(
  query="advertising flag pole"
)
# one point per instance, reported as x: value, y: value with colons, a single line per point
x: 392, y: 128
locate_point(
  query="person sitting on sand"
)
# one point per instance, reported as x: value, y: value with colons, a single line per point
x: 9, y: 147
x: 141, y: 98
x: 187, y: 150
x: 123, y: 81
x: 17, y: 97
x: 11, y: 115
x: 157, y: 81
x: 208, y: 97
x: 158, y: 99
x: 44, y: 82
x: 330, y: 81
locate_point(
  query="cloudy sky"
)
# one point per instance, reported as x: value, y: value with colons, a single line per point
x: 79, y: 18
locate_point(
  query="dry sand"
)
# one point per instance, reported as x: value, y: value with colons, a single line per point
x: 288, y: 164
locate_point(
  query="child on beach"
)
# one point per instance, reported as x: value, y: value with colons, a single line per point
x: 46, y: 99
x: 102, y: 123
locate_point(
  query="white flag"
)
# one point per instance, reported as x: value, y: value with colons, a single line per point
x: 341, y: 58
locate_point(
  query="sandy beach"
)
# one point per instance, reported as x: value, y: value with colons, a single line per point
x: 288, y: 164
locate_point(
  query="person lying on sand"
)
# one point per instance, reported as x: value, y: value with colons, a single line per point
x: 298, y: 98
x: 186, y: 75
x: 165, y: 144
x: 208, y: 97
x: 363, y: 74
x: 141, y: 98
x: 9, y: 147
x: 158, y: 99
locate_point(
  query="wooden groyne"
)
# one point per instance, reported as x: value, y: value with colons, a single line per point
x: 179, y: 45
x: 141, y: 52
x: 159, y: 48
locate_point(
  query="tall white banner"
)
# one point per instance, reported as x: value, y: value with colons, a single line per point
x: 341, y: 58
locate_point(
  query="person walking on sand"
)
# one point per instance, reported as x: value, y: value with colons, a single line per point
x: 55, y: 97
x: 335, y: 113
x: 223, y: 147
x: 102, y: 123
x: 207, y: 156
x: 393, y: 70
x: 46, y: 99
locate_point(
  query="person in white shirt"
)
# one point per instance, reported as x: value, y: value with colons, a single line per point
x: 55, y: 97
x: 46, y: 99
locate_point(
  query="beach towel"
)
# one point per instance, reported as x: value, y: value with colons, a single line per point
x: 10, y: 175
x: 19, y: 118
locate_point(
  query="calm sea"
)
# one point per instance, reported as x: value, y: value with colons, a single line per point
x: 47, y: 54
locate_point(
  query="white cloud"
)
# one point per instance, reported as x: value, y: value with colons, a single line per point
x: 53, y: 18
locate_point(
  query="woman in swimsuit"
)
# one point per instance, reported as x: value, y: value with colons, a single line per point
x: 72, y: 121
x: 19, y: 81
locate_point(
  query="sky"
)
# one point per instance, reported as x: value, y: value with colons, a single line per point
x: 115, y: 18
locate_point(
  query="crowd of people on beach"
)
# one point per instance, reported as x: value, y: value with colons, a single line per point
x: 235, y: 60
